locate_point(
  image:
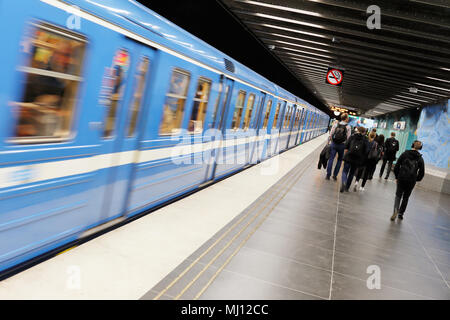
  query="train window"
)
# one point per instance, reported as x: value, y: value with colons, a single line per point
x: 267, y: 114
x: 238, y: 110
x: 115, y: 89
x: 277, y: 114
x: 140, y: 79
x: 216, y: 107
x: 200, y: 106
x: 173, y: 109
x: 248, y: 112
x: 286, y: 117
x: 52, y: 80
x: 303, y: 118
x: 291, y: 111
x: 297, y: 119
x: 224, y: 104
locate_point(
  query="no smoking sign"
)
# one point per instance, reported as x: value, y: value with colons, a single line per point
x: 334, y: 76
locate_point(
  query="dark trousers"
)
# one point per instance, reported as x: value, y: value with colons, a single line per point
x: 388, y: 168
x: 348, y: 173
x: 338, y: 149
x: 368, y: 171
x: 373, y: 169
x: 402, y: 194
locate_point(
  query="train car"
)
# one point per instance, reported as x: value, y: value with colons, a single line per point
x: 110, y: 110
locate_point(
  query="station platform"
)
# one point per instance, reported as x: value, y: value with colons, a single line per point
x: 285, y: 235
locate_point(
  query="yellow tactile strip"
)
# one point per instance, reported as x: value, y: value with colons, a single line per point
x: 192, y: 278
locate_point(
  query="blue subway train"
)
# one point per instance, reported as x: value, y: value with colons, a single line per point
x: 109, y: 110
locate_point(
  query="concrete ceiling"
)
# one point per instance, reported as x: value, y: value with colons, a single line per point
x: 411, y: 50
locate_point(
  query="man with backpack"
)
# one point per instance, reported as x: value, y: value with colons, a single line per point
x: 409, y: 169
x: 339, y: 134
x: 356, y: 149
x: 391, y: 147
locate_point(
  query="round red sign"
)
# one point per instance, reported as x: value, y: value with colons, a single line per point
x: 334, y: 77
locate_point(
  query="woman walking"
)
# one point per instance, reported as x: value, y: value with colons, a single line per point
x: 370, y: 161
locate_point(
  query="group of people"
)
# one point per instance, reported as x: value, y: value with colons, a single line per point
x: 362, y: 150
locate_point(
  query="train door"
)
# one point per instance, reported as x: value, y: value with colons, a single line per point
x: 304, y: 125
x: 219, y: 124
x: 285, y: 129
x: 276, y: 136
x: 300, y: 126
x: 291, y: 128
x: 294, y: 134
x: 125, y: 85
x: 259, y: 138
x: 234, y: 153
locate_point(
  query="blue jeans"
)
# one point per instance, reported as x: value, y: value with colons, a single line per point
x: 348, y: 173
x: 339, y: 149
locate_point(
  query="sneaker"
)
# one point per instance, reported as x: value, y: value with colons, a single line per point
x: 334, y: 178
x: 361, y: 189
x: 327, y: 178
x: 385, y: 178
x: 400, y: 216
x: 394, y: 215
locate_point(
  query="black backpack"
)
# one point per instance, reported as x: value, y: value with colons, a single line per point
x: 375, y: 152
x: 340, y: 134
x: 356, y: 147
x: 391, y: 145
x: 408, y: 170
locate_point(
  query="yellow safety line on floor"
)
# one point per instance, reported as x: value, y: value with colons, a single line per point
x: 217, y: 241
x: 248, y: 237
x: 284, y: 186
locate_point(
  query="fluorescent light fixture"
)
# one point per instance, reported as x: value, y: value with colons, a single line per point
x: 426, y: 85
x: 307, y: 52
x: 268, y: 16
x: 438, y: 79
x: 299, y: 45
x: 267, y: 5
x: 289, y: 29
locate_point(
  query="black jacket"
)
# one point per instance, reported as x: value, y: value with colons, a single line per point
x: 324, y: 156
x: 390, y: 154
x: 359, y: 158
x: 411, y: 155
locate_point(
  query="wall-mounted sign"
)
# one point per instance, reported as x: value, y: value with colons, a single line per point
x: 399, y: 125
x: 334, y: 76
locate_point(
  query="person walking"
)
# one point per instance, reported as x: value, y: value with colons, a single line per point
x: 380, y: 141
x: 391, y: 147
x: 339, y: 134
x: 355, y: 152
x: 370, y: 161
x: 409, y: 169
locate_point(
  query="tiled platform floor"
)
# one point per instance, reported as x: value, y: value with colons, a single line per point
x: 302, y: 239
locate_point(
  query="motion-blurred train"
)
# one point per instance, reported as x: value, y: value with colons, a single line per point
x: 107, y: 110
